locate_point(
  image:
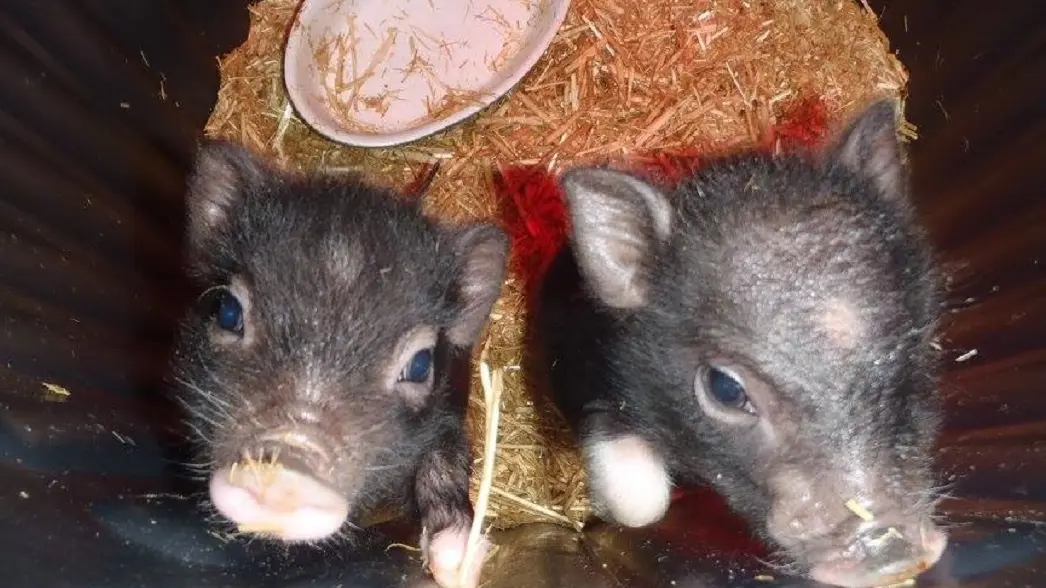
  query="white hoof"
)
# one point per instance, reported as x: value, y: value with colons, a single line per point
x: 444, y: 553
x: 629, y: 478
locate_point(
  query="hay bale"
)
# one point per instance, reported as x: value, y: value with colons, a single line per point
x: 677, y: 74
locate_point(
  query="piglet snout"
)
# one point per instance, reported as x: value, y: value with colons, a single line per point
x: 853, y: 535
x: 278, y: 498
x: 884, y: 555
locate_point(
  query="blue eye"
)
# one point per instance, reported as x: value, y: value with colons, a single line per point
x: 230, y: 313
x: 417, y: 371
x: 726, y: 389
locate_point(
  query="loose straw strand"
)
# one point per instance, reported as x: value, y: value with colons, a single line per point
x: 492, y: 387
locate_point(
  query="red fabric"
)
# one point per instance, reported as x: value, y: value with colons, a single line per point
x: 535, y: 217
x: 803, y: 126
x: 532, y: 203
x: 702, y: 524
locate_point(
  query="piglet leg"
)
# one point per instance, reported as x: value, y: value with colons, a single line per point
x: 442, y: 495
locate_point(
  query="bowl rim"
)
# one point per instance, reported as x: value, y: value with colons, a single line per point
x: 534, y: 51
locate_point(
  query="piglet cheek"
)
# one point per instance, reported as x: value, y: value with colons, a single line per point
x: 286, y: 503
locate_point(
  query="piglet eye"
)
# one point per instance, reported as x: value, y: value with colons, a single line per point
x: 419, y: 368
x: 726, y: 388
x: 230, y: 313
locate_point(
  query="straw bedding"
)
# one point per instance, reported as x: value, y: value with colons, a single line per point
x: 671, y: 75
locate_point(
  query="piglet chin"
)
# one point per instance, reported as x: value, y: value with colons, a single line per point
x: 279, y: 502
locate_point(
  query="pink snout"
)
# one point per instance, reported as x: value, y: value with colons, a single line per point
x: 856, y: 527
x: 278, y: 500
x: 883, y: 556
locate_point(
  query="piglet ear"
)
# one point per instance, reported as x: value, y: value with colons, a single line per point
x: 482, y: 250
x: 869, y: 147
x: 618, y: 222
x: 222, y: 173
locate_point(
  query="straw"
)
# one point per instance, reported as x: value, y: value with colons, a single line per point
x: 492, y: 387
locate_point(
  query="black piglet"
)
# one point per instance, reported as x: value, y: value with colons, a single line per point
x: 329, y: 317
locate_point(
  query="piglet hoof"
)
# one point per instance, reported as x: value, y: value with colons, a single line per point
x: 443, y: 554
x: 629, y: 479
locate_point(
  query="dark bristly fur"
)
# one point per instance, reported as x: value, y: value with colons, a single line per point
x: 757, y: 244
x: 337, y: 274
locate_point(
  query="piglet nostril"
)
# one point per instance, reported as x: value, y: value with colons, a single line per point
x: 882, y: 555
x: 888, y: 551
x: 301, y: 442
x: 892, y: 554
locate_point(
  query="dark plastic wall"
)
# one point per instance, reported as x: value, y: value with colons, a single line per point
x: 100, y: 105
x: 978, y: 96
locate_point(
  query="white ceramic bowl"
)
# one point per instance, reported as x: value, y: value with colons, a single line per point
x: 377, y: 73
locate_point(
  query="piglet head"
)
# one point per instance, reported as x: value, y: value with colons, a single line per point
x: 315, y: 363
x: 784, y: 309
